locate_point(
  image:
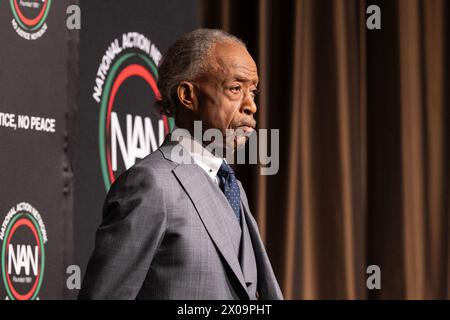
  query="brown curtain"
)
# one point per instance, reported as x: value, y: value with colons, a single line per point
x: 365, y: 150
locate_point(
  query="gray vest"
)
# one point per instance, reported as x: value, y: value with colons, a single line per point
x: 243, y: 249
x: 242, y: 244
x: 247, y: 259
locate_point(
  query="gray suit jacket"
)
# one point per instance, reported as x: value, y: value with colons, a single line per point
x: 162, y: 237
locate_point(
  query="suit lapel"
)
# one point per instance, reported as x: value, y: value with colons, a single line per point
x: 268, y: 285
x: 247, y: 256
x: 190, y: 177
x: 206, y: 201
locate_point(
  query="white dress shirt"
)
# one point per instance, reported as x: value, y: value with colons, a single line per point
x: 202, y: 157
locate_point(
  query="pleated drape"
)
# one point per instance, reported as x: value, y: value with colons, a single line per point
x: 364, y: 143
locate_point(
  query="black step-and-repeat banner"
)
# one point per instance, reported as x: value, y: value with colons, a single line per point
x: 76, y: 110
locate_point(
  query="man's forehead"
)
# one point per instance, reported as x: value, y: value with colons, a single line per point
x: 233, y: 60
x: 243, y: 75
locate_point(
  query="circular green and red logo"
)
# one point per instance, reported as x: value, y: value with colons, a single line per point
x: 29, y: 17
x: 130, y: 126
x: 22, y: 252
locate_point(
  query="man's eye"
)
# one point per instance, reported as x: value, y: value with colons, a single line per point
x: 255, y: 92
x: 236, y: 89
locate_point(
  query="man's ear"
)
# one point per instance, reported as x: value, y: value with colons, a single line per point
x: 186, y: 95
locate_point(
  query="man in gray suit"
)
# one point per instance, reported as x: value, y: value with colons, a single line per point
x: 177, y: 225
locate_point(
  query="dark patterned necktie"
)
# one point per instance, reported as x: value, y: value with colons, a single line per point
x: 230, y: 188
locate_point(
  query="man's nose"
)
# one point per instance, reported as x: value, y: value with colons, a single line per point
x: 249, y: 105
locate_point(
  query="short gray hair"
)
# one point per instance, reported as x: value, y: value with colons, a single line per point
x: 186, y: 59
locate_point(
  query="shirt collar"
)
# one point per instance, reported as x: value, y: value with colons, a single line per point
x: 202, y: 157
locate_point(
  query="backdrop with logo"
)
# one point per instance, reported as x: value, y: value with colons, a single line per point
x: 76, y: 110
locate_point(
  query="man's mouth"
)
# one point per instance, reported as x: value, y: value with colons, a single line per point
x: 246, y: 129
x: 246, y: 126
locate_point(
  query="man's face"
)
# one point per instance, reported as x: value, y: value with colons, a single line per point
x: 225, y: 94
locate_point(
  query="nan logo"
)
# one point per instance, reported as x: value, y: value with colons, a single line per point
x: 23, y: 236
x: 129, y: 126
x: 29, y: 17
